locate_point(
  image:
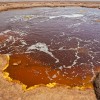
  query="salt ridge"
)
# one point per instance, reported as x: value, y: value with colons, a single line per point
x: 42, y: 47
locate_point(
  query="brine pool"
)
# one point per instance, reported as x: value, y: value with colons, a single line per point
x: 51, y: 45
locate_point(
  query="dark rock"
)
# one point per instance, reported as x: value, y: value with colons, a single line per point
x: 96, y: 85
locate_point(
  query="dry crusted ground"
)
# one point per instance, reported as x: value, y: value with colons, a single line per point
x: 13, y: 91
x: 16, y: 5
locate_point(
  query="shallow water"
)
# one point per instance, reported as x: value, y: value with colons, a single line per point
x: 47, y: 45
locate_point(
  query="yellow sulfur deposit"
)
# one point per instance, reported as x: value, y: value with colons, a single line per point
x: 50, y: 85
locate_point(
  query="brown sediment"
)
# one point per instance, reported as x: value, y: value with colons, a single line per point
x: 20, y: 5
x: 97, y: 20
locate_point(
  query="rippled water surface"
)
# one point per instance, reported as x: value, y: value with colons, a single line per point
x: 48, y: 45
